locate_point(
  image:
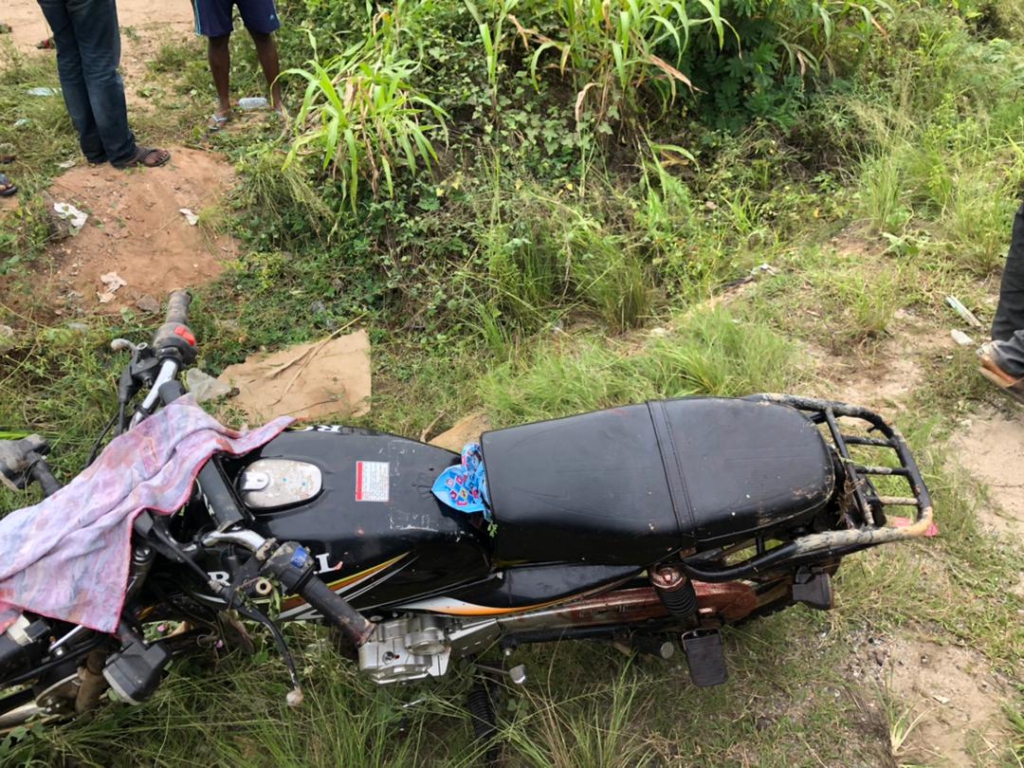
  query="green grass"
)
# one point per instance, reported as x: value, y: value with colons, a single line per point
x: 35, y: 129
x: 706, y: 352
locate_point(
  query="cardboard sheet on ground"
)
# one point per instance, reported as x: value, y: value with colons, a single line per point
x: 329, y: 377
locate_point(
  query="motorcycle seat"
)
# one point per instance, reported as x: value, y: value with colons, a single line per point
x: 634, y: 484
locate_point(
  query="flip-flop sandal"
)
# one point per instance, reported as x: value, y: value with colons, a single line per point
x: 991, y: 370
x: 7, y: 187
x: 142, y: 154
x: 1014, y: 389
x: 217, y: 122
x: 5, y: 29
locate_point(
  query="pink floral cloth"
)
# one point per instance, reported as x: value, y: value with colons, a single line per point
x: 68, y: 556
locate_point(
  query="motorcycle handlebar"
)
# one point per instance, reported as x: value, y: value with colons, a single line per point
x: 177, y: 308
x: 337, y: 610
x: 173, y: 338
x: 175, y: 347
x: 291, y: 564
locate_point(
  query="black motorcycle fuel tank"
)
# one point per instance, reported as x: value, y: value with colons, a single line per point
x: 373, y: 506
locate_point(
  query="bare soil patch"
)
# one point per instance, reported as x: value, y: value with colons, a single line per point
x: 950, y: 691
x: 958, y: 698
x: 136, y: 229
x: 29, y: 26
x: 991, y: 447
x: 856, y: 242
x: 884, y: 376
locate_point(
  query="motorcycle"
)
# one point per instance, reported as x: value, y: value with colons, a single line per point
x: 652, y: 525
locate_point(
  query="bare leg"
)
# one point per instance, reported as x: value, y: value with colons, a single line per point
x: 266, y: 51
x: 219, y: 56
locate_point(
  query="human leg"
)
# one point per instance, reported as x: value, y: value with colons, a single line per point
x: 1006, y: 352
x: 213, y: 21
x: 260, y: 17
x: 95, y: 27
x: 1010, y: 312
x: 266, y: 51
x: 72, y: 79
x: 219, y: 57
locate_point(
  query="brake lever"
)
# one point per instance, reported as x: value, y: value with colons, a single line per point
x: 119, y: 345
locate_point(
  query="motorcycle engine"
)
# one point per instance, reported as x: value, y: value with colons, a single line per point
x: 408, y: 648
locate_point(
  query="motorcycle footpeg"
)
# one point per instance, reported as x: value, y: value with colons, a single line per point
x: 16, y: 457
x: 135, y: 672
x: 813, y: 590
x: 705, y: 657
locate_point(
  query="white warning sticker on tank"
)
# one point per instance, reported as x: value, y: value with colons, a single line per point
x: 373, y: 480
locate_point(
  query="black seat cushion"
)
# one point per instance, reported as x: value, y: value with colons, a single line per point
x: 633, y: 484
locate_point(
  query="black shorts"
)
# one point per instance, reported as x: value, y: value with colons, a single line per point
x: 213, y: 17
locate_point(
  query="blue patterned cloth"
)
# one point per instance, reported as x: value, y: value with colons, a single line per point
x: 463, y: 486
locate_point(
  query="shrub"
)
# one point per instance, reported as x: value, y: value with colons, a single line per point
x: 363, y: 117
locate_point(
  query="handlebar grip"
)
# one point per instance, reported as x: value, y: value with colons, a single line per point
x: 292, y: 565
x: 174, y: 338
x: 177, y: 308
x: 337, y: 610
x: 41, y: 474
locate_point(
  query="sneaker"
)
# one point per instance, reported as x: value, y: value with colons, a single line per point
x: 992, y: 369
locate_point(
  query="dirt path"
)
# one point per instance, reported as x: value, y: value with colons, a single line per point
x: 948, y: 704
x: 143, y: 17
x: 991, y: 447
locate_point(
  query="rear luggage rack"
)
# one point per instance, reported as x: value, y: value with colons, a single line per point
x: 865, y: 514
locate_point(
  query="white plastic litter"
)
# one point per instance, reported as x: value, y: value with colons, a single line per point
x: 42, y: 91
x: 112, y: 282
x: 75, y: 218
x: 253, y: 102
x: 189, y: 215
x: 961, y: 338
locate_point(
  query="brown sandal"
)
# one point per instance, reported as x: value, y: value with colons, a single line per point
x: 146, y: 157
x: 992, y: 371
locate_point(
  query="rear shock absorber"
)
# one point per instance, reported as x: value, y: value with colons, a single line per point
x: 675, y: 590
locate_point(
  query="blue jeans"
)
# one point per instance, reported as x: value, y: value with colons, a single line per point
x: 88, y: 42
